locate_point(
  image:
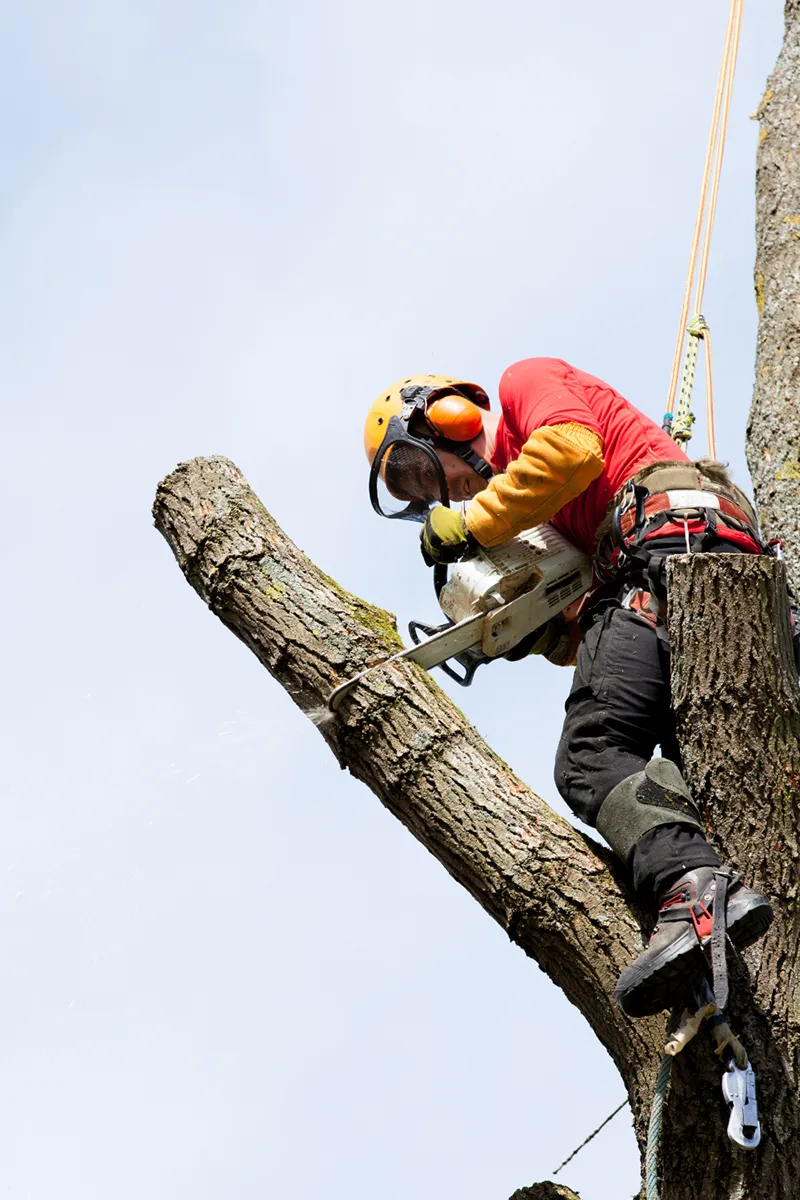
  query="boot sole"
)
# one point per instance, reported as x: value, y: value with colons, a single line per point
x: 641, y: 993
x: 749, y: 921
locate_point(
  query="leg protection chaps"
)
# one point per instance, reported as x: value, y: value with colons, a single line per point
x: 655, y: 796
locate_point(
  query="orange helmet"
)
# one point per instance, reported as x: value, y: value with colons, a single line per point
x: 449, y: 409
x: 408, y: 422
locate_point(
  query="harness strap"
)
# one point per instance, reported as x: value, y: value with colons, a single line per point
x: 719, y: 958
x: 670, y: 501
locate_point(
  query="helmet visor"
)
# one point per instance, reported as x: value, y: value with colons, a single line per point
x: 406, y: 477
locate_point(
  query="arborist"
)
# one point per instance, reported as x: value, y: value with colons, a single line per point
x: 568, y: 449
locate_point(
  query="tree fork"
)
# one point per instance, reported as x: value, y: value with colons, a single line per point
x: 552, y: 889
x: 555, y: 892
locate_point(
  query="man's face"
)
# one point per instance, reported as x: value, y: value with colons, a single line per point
x: 410, y: 476
x: 462, y: 482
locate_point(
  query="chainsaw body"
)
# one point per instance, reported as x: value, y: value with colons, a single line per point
x: 492, y: 602
x: 516, y: 588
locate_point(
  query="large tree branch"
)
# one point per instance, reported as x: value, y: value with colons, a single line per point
x: 553, y: 891
x: 549, y: 887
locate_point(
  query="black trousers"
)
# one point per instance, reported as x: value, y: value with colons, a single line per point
x: 617, y: 712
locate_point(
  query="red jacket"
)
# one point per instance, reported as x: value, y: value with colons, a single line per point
x: 547, y: 391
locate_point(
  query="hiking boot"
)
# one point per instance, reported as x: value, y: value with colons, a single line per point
x: 674, y: 959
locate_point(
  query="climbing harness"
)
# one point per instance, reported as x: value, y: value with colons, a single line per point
x: 678, y: 424
x: 696, y: 504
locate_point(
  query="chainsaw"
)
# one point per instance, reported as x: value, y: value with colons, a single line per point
x: 492, y: 602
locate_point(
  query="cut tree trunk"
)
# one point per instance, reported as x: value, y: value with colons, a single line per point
x: 773, y: 446
x: 737, y: 704
x: 555, y: 892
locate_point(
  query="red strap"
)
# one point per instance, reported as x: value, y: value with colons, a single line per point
x: 743, y: 540
x: 702, y: 924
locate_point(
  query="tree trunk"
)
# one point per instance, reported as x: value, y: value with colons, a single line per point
x: 773, y: 446
x: 737, y: 704
x: 556, y: 893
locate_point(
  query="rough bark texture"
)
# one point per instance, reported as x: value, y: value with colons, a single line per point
x: 553, y: 890
x: 737, y: 704
x: 773, y: 448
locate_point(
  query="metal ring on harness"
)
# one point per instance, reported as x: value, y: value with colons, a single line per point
x: 634, y: 497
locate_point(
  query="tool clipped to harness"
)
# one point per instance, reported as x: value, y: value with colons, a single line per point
x: 632, y: 498
x: 739, y: 1090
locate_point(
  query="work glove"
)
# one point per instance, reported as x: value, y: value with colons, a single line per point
x: 445, y: 537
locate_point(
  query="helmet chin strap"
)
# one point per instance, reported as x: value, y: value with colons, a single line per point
x: 479, y: 465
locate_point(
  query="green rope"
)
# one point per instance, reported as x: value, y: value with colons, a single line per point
x: 680, y: 428
x: 654, y: 1128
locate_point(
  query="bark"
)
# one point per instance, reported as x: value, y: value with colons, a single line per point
x: 554, y: 891
x: 737, y: 704
x: 773, y: 447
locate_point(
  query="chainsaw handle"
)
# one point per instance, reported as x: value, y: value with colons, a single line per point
x: 464, y: 680
x: 439, y: 578
x: 415, y: 628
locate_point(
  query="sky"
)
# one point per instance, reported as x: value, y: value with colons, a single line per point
x: 225, y: 970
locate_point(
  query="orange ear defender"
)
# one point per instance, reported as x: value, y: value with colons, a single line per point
x: 455, y: 417
x: 423, y: 414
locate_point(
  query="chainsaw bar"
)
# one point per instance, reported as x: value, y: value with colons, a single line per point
x: 453, y: 640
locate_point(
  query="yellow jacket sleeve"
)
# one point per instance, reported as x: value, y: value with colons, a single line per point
x: 555, y: 465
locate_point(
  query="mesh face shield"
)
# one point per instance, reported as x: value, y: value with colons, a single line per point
x: 406, y: 476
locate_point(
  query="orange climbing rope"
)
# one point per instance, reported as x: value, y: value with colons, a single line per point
x: 679, y: 423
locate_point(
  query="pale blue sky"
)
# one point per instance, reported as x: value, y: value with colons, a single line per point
x: 225, y: 970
